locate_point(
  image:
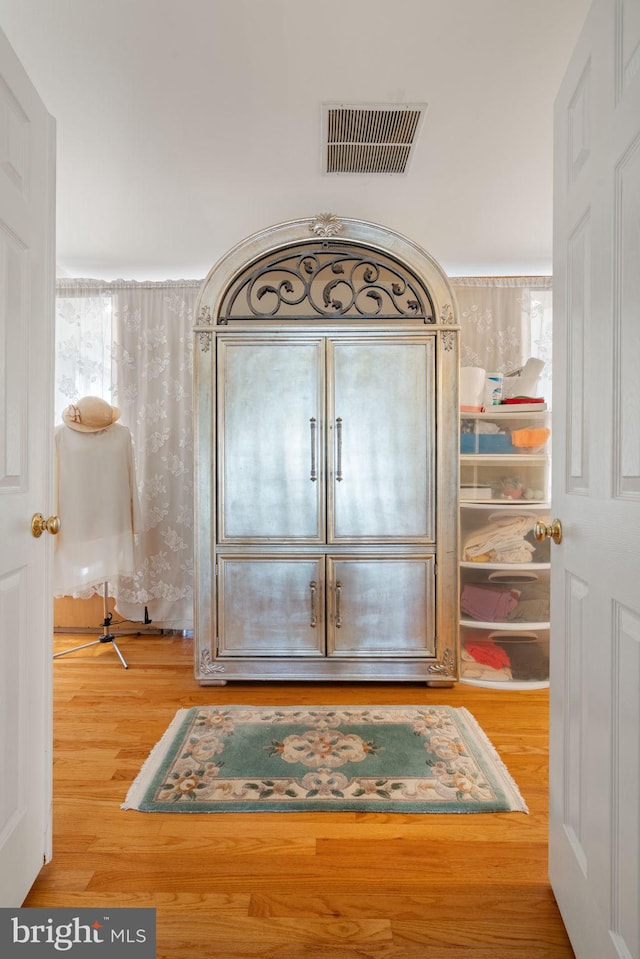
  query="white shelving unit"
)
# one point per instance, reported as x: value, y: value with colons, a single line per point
x: 504, y: 570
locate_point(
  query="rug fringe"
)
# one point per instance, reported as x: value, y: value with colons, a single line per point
x: 516, y: 799
x: 142, y: 781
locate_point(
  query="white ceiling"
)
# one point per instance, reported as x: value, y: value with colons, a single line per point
x: 184, y: 126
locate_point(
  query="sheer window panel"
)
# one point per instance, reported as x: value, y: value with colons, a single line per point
x: 83, y: 344
x: 153, y: 349
x: 132, y: 343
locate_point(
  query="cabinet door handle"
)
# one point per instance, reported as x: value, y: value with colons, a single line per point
x: 313, y: 427
x: 338, y: 605
x: 313, y: 586
x: 339, y: 476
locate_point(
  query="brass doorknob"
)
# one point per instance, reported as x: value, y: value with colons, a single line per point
x: 541, y: 531
x: 40, y: 525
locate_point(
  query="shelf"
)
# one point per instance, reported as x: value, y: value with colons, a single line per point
x: 512, y: 684
x: 510, y: 627
x: 534, y: 503
x: 502, y: 411
x: 469, y: 564
x: 485, y: 458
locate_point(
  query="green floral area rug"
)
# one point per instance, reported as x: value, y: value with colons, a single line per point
x: 410, y: 759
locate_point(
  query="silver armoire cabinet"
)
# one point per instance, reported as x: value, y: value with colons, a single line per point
x: 326, y: 363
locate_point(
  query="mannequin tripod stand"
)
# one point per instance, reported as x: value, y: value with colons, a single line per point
x: 106, y: 637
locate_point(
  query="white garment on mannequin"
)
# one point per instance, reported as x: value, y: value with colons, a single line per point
x: 98, y: 508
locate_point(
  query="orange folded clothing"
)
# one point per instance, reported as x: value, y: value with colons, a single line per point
x: 532, y: 438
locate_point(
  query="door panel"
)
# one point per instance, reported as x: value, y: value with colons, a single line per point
x: 271, y: 429
x: 271, y: 606
x: 381, y: 606
x: 381, y: 420
x: 594, y: 832
x: 27, y: 188
x: 627, y: 340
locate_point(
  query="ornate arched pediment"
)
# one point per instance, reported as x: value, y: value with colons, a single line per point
x: 323, y: 281
x: 325, y: 269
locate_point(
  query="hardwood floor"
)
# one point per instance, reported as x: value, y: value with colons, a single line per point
x: 336, y: 886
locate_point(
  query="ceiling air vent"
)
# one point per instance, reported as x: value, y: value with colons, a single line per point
x: 370, y: 138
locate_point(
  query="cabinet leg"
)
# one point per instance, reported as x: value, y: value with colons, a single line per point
x: 435, y: 684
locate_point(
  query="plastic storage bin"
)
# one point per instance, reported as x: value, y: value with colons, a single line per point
x: 519, y: 658
x: 517, y: 597
x: 493, y: 538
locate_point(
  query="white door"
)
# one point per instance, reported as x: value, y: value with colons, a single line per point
x: 595, y: 660
x: 26, y: 415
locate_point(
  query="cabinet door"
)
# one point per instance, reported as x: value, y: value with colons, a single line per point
x: 271, y: 606
x: 382, y: 427
x: 270, y: 430
x: 381, y: 606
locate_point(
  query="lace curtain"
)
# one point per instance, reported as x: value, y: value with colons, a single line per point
x: 504, y: 321
x: 84, y: 343
x: 132, y: 343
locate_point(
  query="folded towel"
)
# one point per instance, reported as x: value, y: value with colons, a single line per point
x: 530, y: 611
x: 529, y: 661
x: 473, y: 670
x: 503, y: 541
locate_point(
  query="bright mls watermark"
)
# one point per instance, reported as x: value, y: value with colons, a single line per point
x: 78, y: 933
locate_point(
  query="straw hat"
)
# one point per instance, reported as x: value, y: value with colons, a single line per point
x: 90, y: 414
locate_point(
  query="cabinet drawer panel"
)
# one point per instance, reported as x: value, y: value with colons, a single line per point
x: 381, y: 606
x: 271, y: 606
x: 270, y: 428
x: 382, y: 427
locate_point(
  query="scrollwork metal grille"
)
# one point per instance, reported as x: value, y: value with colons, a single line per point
x: 331, y: 280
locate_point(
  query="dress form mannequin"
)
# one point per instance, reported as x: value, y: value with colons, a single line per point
x: 97, y: 501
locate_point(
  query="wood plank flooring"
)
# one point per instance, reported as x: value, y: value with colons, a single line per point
x: 299, y: 886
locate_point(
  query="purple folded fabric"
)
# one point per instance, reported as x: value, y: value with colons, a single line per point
x: 487, y: 603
